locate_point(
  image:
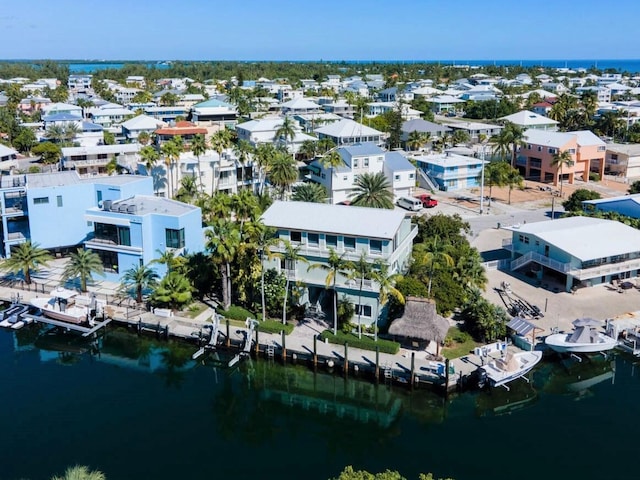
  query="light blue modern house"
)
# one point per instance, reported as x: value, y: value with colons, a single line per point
x: 48, y: 208
x: 59, y: 211
x: 352, y: 232
x: 450, y: 171
x: 133, y: 231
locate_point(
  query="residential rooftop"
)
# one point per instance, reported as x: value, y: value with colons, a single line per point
x: 584, y: 238
x: 334, y: 219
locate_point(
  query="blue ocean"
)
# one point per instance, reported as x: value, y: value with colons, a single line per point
x: 621, y: 65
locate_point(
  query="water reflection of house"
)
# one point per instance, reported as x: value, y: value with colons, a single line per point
x: 327, y: 394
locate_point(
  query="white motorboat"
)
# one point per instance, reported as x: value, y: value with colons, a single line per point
x: 65, y: 305
x: 583, y: 339
x: 501, y: 371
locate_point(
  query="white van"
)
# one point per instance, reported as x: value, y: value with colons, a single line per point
x: 413, y: 204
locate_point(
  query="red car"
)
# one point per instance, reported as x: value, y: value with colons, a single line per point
x: 427, y: 201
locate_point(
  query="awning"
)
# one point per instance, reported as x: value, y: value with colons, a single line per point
x: 521, y: 326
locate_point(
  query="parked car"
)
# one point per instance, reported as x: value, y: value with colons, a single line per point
x: 410, y: 203
x: 427, y: 200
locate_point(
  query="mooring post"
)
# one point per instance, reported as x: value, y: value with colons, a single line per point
x: 257, y: 343
x: 413, y: 368
x: 228, y: 333
x: 284, y: 348
x: 446, y: 376
x: 346, y: 358
x: 377, y: 363
x: 315, y: 351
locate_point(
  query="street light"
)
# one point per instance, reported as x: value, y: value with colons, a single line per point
x: 482, y: 179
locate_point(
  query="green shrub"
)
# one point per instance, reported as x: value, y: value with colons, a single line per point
x: 237, y: 313
x: 594, y: 177
x: 365, y: 343
x: 275, y: 326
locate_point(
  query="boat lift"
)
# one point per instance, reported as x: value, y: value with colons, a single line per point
x: 213, y: 339
x: 245, y: 352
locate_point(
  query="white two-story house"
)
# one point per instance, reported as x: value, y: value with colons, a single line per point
x: 364, y: 158
x: 384, y: 236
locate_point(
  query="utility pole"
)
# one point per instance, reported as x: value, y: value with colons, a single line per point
x: 482, y: 180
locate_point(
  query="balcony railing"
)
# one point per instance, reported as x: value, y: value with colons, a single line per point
x: 606, y: 269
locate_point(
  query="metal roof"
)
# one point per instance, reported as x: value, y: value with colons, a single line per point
x: 335, y: 219
x: 521, y: 326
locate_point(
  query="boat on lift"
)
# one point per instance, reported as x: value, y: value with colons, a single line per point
x: 585, y: 338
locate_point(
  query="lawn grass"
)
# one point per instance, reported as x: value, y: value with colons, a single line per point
x: 195, y: 309
x: 365, y: 343
x: 460, y: 344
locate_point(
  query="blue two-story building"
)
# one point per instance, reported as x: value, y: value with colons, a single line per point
x: 133, y: 231
x: 450, y: 171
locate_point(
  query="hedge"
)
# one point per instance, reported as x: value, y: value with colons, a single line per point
x: 268, y: 326
x: 237, y: 313
x: 275, y: 326
x: 365, y: 343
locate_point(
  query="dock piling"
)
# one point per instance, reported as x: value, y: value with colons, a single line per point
x: 228, y: 333
x: 413, y: 369
x: 315, y: 351
x: 377, y: 363
x: 284, y: 348
x: 346, y: 358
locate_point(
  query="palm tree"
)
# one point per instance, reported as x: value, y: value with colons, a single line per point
x: 171, y: 152
x: 173, y: 290
x: 386, y: 289
x: 243, y: 151
x: 309, y: 149
x: 55, y: 133
x: 265, y: 153
x: 26, y: 258
x: 325, y: 144
x: 360, y: 271
x: 282, y: 172
x: 80, y: 472
x: 245, y: 206
x: 83, y: 265
x: 331, y: 160
x: 140, y: 279
x: 495, y: 174
x: 513, y: 179
x: 432, y: 255
x: 71, y: 130
x: 199, y: 147
x: 144, y: 138
x: 150, y: 157
x: 286, y: 131
x: 501, y: 144
x: 84, y: 103
x: 291, y: 256
x: 372, y: 190
x: 188, y: 190
x: 334, y: 266
x: 170, y: 259
x: 310, y: 192
x: 222, y: 243
x: 220, y: 141
x: 265, y: 239
x: 561, y: 160
x: 460, y: 136
x: 415, y: 140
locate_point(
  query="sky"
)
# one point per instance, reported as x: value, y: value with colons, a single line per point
x: 322, y: 30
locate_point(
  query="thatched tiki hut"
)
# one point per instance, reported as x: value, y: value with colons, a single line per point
x: 420, y: 324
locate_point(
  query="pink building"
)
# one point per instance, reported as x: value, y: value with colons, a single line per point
x: 536, y: 156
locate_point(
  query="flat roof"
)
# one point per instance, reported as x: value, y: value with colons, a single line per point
x: 336, y: 219
x: 631, y: 150
x: 585, y: 238
x: 52, y: 179
x: 150, y: 205
x: 449, y: 160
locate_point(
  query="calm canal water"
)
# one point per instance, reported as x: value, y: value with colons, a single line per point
x: 141, y: 410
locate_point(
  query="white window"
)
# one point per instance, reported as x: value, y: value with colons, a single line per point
x: 366, y: 162
x: 539, y: 148
x: 355, y: 163
x: 572, y: 151
x: 364, y: 310
x: 412, y: 176
x: 396, y: 177
x: 345, y: 178
x: 552, y: 150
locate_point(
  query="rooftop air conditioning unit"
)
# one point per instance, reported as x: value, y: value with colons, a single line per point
x: 106, y: 205
x: 132, y: 209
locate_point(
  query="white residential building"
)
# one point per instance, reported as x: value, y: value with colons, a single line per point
x: 365, y: 158
x: 384, y: 236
